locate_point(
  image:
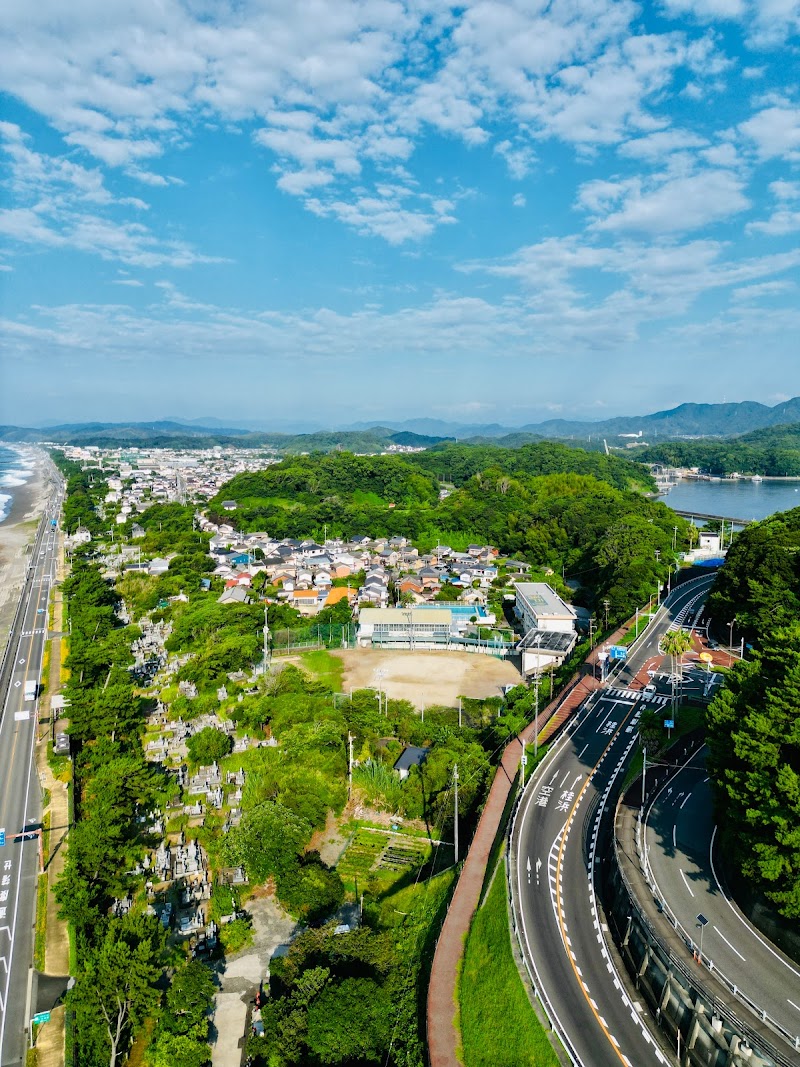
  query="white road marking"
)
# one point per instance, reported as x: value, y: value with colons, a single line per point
x: 674, y: 828
x: 793, y: 1004
x: 687, y: 797
x: 683, y: 876
x: 727, y: 942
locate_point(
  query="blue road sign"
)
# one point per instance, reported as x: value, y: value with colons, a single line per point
x: 618, y: 652
x: 669, y: 724
x: 2, y: 836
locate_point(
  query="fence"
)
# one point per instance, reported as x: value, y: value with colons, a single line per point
x: 308, y: 638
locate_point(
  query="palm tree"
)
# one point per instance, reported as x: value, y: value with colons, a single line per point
x: 673, y: 644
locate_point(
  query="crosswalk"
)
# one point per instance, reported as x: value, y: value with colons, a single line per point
x: 657, y: 699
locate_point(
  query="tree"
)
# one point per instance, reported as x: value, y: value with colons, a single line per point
x: 118, y: 983
x: 754, y: 763
x: 266, y: 841
x: 673, y: 644
x: 351, y: 1020
x: 310, y: 890
x: 209, y: 745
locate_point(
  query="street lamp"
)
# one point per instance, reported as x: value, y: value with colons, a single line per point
x: 730, y: 642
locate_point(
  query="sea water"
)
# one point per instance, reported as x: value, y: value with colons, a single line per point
x: 735, y: 498
x: 16, y: 467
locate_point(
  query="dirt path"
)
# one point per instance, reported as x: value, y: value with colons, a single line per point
x: 426, y: 678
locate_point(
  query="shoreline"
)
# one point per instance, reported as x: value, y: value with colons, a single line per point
x: 17, y: 532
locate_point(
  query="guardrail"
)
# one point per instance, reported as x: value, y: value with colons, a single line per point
x: 700, y: 993
x: 686, y: 937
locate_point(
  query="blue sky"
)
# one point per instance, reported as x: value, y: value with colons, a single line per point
x: 327, y: 211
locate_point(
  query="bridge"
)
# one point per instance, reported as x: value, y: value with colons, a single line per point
x: 706, y: 517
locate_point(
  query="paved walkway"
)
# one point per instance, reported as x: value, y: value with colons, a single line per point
x: 239, y: 982
x: 443, y: 1036
x: 50, y: 1039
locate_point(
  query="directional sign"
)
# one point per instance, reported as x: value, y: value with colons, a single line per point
x: 669, y: 724
x: 618, y: 652
x: 3, y: 836
x: 41, y: 1017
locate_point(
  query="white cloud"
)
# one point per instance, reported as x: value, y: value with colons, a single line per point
x: 666, y: 203
x: 775, y: 132
x: 519, y: 200
x: 765, y: 289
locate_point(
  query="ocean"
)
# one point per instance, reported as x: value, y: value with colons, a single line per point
x: 15, y: 470
x: 735, y: 499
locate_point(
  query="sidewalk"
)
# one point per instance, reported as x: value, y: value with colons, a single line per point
x: 442, y: 1008
x: 50, y: 1040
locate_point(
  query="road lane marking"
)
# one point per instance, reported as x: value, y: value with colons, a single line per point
x: 730, y: 946
x: 674, y: 828
x: 683, y: 876
x: 687, y: 797
x: 742, y: 920
x: 793, y: 1004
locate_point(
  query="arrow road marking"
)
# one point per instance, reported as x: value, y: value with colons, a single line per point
x: 538, y: 868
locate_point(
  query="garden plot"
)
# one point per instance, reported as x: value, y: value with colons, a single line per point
x: 380, y: 855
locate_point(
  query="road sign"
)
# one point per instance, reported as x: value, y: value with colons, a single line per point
x: 3, y: 836
x: 524, y: 761
x: 669, y: 724
x: 41, y: 1017
x: 702, y: 920
x: 618, y: 652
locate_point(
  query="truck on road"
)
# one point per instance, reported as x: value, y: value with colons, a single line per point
x: 31, y: 689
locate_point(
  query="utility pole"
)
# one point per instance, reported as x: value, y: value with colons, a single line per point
x: 459, y: 712
x: 266, y: 641
x: 644, y: 773
x: 536, y: 717
x: 455, y: 821
x: 349, y: 765
x: 522, y: 767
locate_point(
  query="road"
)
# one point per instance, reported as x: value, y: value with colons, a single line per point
x: 557, y: 846
x: 680, y: 836
x: 20, y: 798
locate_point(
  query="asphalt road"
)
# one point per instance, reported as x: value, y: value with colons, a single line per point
x: 680, y: 836
x: 20, y: 800
x: 557, y: 848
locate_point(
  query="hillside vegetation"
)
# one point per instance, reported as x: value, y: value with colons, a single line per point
x: 753, y: 725
x: 773, y: 452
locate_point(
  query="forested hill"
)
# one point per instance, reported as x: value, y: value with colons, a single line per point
x: 615, y: 542
x: 754, y: 725
x: 774, y: 451
x: 457, y: 463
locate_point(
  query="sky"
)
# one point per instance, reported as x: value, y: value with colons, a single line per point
x: 329, y: 211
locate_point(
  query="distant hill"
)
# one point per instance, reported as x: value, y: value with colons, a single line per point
x: 180, y: 435
x: 770, y: 452
x: 686, y: 420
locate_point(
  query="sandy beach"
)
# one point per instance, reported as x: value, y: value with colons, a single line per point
x: 17, y: 533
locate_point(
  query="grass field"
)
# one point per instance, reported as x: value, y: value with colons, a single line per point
x: 499, y: 1028
x: 325, y: 667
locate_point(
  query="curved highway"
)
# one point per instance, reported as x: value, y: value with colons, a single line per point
x: 683, y: 870
x: 556, y: 849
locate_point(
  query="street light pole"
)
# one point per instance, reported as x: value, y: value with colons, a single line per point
x: 730, y: 642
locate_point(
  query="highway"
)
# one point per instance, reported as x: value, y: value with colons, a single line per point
x: 20, y: 796
x: 683, y: 869
x: 557, y: 847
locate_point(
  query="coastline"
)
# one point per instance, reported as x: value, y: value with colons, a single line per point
x: 17, y: 532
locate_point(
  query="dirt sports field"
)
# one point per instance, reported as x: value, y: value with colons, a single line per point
x: 426, y: 678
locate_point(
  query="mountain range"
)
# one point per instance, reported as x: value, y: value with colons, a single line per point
x: 682, y: 422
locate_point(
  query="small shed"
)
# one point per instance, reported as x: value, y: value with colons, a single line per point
x: 412, y: 756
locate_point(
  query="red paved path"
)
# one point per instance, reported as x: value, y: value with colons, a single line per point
x: 443, y: 1038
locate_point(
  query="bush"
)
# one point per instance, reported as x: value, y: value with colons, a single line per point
x: 310, y: 890
x: 236, y: 935
x: 209, y: 745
